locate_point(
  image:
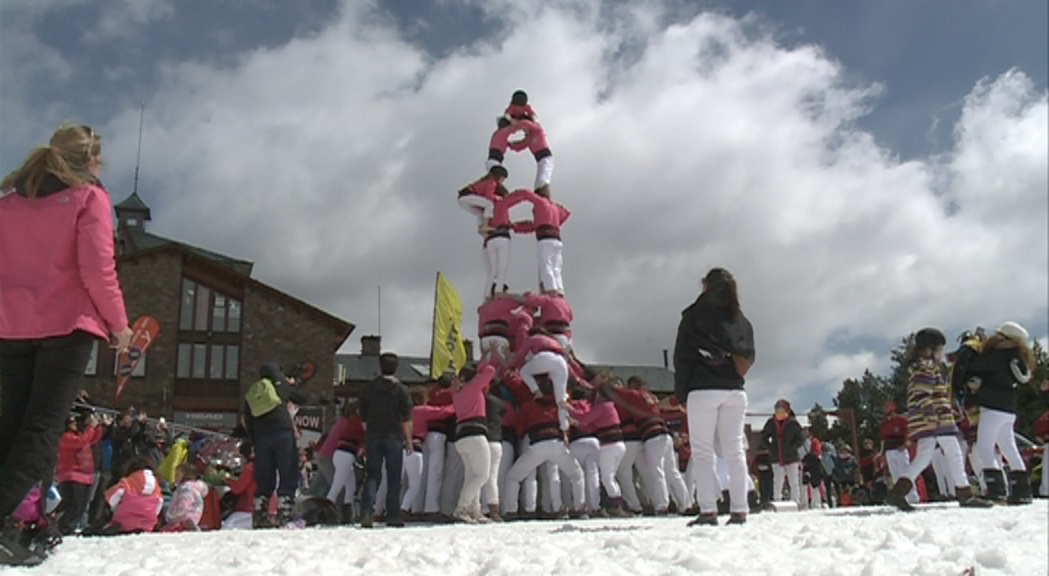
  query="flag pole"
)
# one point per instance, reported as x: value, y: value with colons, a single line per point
x: 433, y: 326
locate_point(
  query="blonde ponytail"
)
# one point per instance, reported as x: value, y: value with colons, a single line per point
x: 69, y: 157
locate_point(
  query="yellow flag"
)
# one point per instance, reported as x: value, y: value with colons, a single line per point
x: 447, y: 351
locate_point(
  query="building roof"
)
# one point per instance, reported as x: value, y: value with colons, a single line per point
x: 133, y: 203
x: 365, y: 367
x: 657, y: 378
x: 137, y: 241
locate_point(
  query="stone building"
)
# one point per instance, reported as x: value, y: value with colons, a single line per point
x: 217, y: 326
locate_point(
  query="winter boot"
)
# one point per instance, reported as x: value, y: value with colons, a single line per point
x: 615, y: 509
x: 753, y: 503
x: 966, y: 499
x: 995, y: 481
x: 367, y: 520
x: 14, y: 549
x: 898, y: 495
x: 493, y: 512
x: 737, y: 518
x: 1020, y: 482
x: 260, y: 513
x: 285, y: 505
x: 463, y: 515
x: 705, y: 519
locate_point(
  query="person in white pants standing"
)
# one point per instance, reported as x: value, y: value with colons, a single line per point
x: 547, y: 219
x: 893, y: 432
x: 993, y: 376
x: 782, y: 437
x: 931, y: 424
x: 713, y: 351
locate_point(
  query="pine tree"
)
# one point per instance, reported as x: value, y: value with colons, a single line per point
x: 1030, y: 404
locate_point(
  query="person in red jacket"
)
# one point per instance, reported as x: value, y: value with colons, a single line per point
x: 243, y: 489
x: 76, y: 469
x: 893, y: 432
x: 471, y: 438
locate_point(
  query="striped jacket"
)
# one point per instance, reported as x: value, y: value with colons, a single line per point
x: 929, y: 409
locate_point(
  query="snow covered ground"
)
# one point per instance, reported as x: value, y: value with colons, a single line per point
x: 937, y: 541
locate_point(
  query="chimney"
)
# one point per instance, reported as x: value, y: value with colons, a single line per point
x: 371, y: 345
x: 469, y: 345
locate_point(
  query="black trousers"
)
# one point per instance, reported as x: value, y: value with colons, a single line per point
x: 39, y: 380
x: 276, y: 455
x: 74, y: 502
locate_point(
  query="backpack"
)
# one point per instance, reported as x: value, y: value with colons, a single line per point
x: 262, y: 397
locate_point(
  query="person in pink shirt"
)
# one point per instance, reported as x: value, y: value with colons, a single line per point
x: 478, y: 197
x: 59, y: 294
x: 547, y: 219
x: 555, y: 316
x: 494, y: 322
x: 423, y: 416
x: 471, y: 438
x: 341, y: 447
x: 519, y: 108
x: 602, y: 418
x: 136, y: 500
x: 496, y: 229
x: 541, y: 354
x: 534, y: 141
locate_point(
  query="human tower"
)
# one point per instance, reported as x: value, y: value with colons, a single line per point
x: 529, y: 333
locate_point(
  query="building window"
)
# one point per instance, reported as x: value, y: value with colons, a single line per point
x: 204, y: 362
x: 207, y: 310
x: 140, y: 368
x: 92, y: 362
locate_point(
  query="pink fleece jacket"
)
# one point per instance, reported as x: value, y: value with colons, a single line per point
x: 555, y: 315
x: 469, y: 401
x: 136, y: 502
x: 57, y: 268
x: 600, y: 415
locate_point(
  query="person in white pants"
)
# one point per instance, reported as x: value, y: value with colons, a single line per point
x: 344, y: 479
x: 478, y: 197
x: 713, y: 350
x: 586, y: 450
x: 939, y: 469
x: 898, y: 460
x: 434, y: 447
x: 931, y: 424
x: 551, y: 450
x: 472, y: 444
x: 783, y: 437
x: 541, y: 354
x: 414, y: 463
x: 548, y: 217
x: 625, y: 473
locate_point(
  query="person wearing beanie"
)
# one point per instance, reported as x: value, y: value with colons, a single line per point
x: 992, y: 378
x: 931, y: 422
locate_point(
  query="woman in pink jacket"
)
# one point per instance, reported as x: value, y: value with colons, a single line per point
x: 58, y: 294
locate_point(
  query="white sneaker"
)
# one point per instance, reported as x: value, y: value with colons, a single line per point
x: 479, y: 518
x: 463, y: 515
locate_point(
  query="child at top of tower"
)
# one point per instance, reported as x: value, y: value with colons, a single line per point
x: 519, y: 108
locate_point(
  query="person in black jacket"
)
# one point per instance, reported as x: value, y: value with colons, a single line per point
x: 712, y: 353
x: 782, y: 437
x: 386, y: 409
x: 272, y: 433
x: 991, y: 379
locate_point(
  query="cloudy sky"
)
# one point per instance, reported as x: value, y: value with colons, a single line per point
x: 864, y: 170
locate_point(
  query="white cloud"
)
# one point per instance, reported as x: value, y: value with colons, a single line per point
x: 332, y: 161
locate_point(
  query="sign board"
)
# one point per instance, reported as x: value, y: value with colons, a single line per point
x: 311, y: 419
x: 219, y: 421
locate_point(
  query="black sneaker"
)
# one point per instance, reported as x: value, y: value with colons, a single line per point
x: 367, y: 521
x: 14, y: 550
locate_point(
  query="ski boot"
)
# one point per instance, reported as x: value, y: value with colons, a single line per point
x: 1020, y: 482
x: 898, y: 495
x: 260, y: 513
x: 15, y: 549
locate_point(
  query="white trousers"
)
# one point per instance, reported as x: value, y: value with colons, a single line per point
x: 554, y: 366
x: 955, y: 470
x: 586, y: 452
x: 939, y: 469
x: 550, y: 262
x: 454, y: 477
x: 995, y: 430
x: 544, y: 171
x: 490, y: 490
x: 496, y: 263
x: 608, y: 460
x: 553, y: 451
x: 345, y: 477
x: 414, y: 481
x: 666, y: 477
x: 434, y: 447
x: 720, y: 413
x: 898, y: 460
x: 478, y: 206
x: 792, y: 474
x: 505, y: 463
x: 1045, y: 472
x: 625, y: 474
x: 477, y: 465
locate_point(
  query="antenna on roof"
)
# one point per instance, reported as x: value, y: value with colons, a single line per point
x: 138, y: 155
